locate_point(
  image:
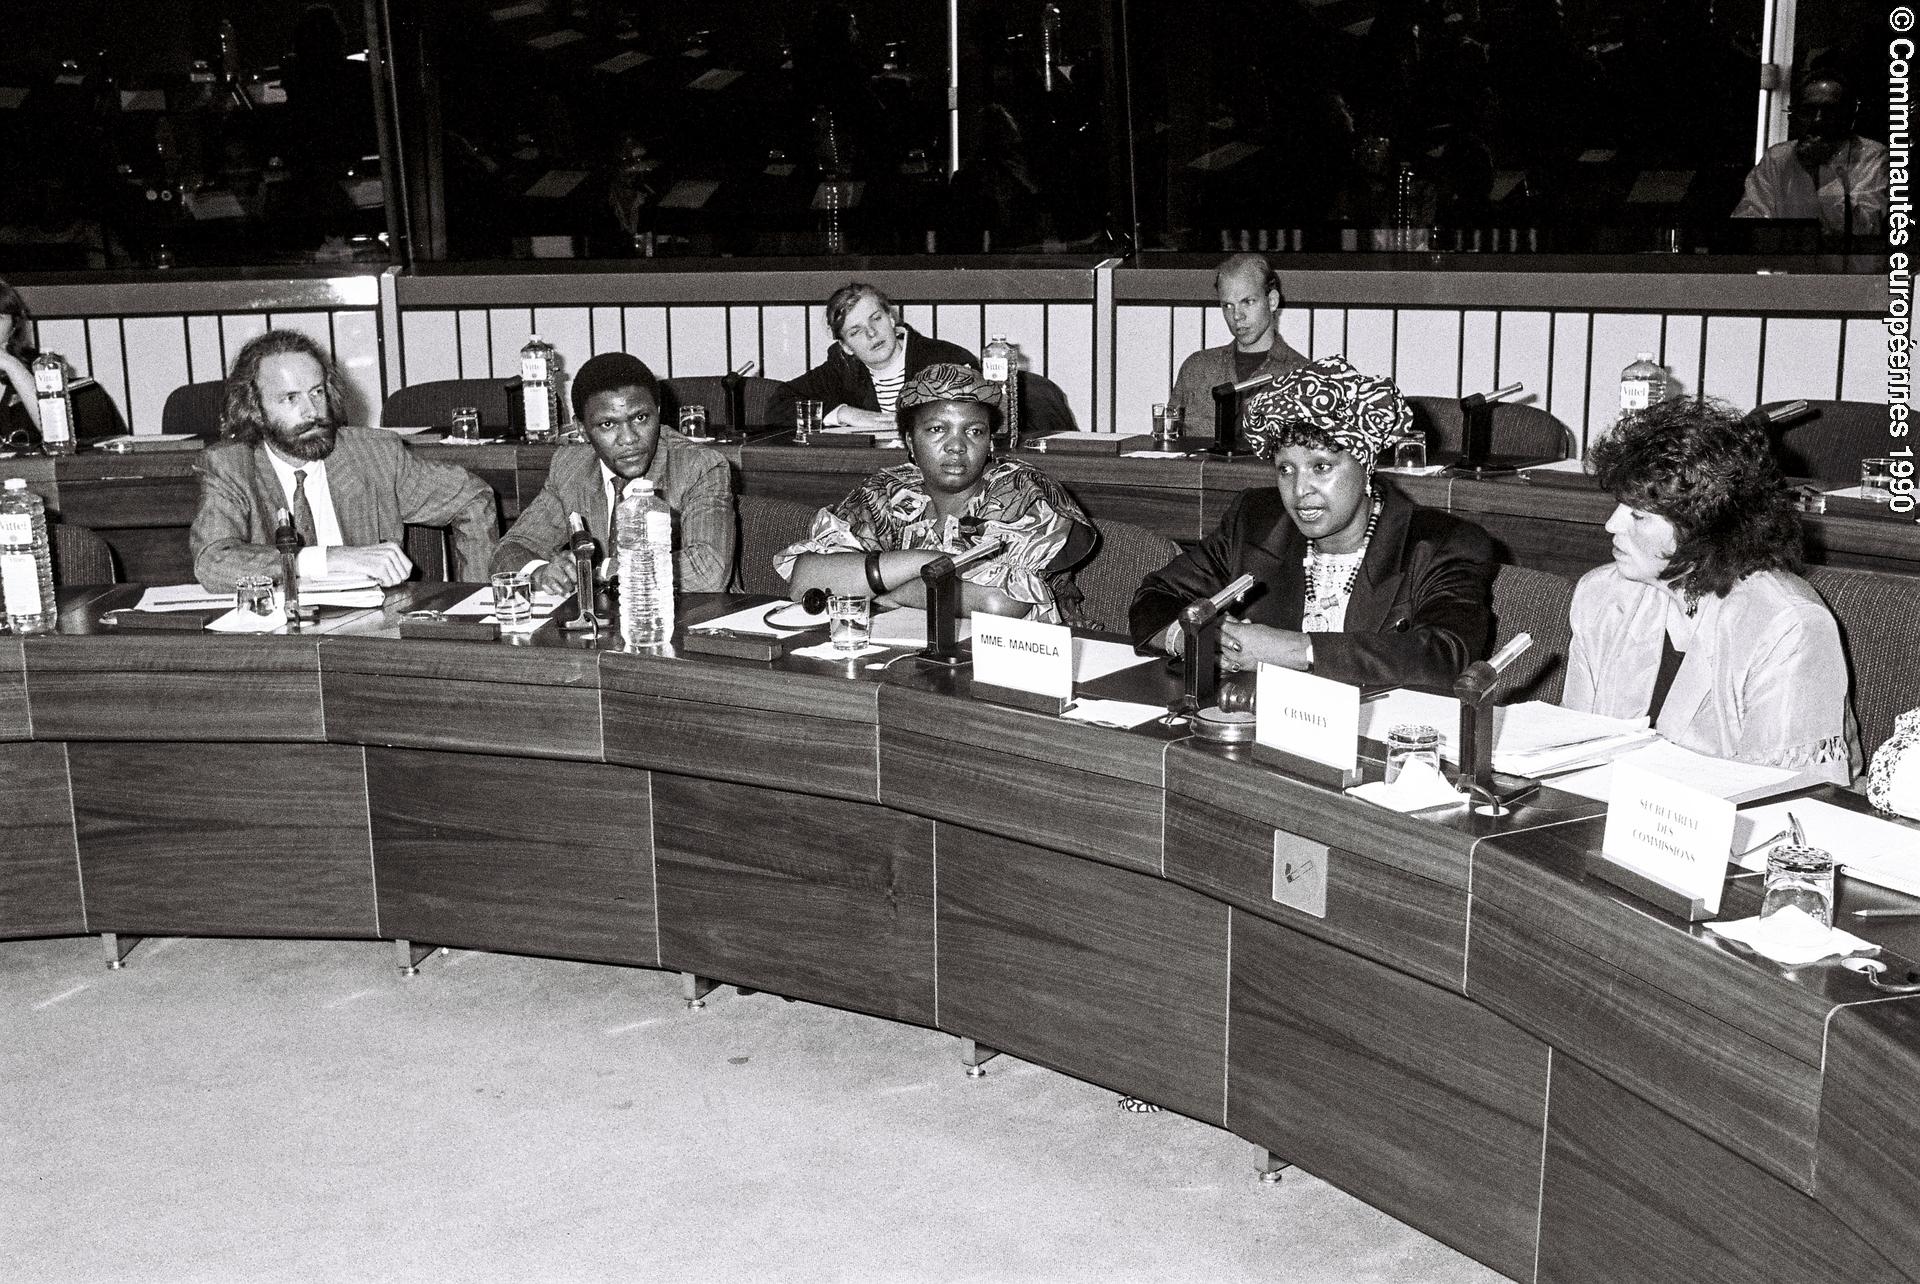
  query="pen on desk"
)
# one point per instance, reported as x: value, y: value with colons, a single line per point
x: 1887, y: 913
x: 1799, y: 834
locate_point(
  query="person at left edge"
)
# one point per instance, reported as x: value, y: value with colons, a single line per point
x: 94, y: 414
x: 1361, y: 585
x: 616, y: 398
x: 351, y: 491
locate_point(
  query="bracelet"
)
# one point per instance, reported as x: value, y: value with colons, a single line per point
x: 875, y: 580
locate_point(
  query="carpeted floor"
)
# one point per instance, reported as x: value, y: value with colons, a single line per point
x: 280, y: 1110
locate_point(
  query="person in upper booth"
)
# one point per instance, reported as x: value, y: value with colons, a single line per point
x: 1701, y: 621
x: 94, y: 414
x: 1249, y: 293
x: 950, y: 496
x: 1356, y: 582
x: 874, y: 354
x: 616, y: 398
x: 349, y: 491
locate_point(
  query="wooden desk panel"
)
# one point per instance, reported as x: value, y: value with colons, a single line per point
x: 1115, y: 977
x: 224, y: 840
x: 1869, y: 1131
x: 535, y: 702
x: 15, y: 724
x: 1410, y: 1097
x: 1631, y: 1197
x: 544, y: 858
x: 175, y: 687
x: 39, y: 872
x: 1759, y: 1101
x: 812, y: 898
x: 746, y: 723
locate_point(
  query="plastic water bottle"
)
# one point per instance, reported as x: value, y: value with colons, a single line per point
x: 1642, y: 384
x: 1000, y: 363
x: 643, y: 526
x: 540, y: 390
x: 26, y: 561
x: 56, y: 404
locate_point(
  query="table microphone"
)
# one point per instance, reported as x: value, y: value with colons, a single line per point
x: 1482, y: 676
x: 1490, y: 791
x: 287, y: 540
x: 581, y: 547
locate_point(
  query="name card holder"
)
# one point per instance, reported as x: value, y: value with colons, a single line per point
x: 1665, y: 843
x: 1307, y: 727
x: 1022, y: 663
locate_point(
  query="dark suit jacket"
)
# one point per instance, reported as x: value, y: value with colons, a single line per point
x: 1421, y: 609
x: 378, y: 486
x: 843, y: 379
x: 695, y: 481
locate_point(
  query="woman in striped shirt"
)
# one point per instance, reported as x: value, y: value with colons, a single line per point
x: 873, y: 356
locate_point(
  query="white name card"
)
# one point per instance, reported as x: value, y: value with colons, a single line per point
x: 1674, y: 834
x: 1313, y: 718
x: 1023, y: 655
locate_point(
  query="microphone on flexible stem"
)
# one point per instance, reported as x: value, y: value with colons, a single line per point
x: 942, y: 579
x: 1200, y: 637
x: 1491, y: 792
x: 1226, y: 414
x: 286, y: 539
x: 1778, y: 415
x: 1476, y: 430
x: 581, y: 547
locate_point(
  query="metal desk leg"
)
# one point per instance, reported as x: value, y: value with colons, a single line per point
x: 410, y: 956
x: 1271, y: 1167
x: 695, y: 989
x: 118, y: 947
x: 975, y: 1057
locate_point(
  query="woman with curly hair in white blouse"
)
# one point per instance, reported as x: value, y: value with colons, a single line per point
x: 1702, y: 622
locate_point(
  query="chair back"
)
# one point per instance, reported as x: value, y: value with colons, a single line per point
x: 1127, y: 554
x: 80, y: 556
x: 431, y: 404
x: 767, y: 525
x: 711, y: 391
x: 195, y: 408
x: 1829, y: 445
x: 1537, y: 603
x: 427, y: 549
x: 1526, y: 431
x: 1879, y: 618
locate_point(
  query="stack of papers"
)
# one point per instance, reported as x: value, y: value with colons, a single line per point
x: 1883, y: 852
x: 1738, y: 782
x: 1531, y: 739
x: 331, y: 590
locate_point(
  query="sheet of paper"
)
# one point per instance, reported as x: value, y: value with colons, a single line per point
x: 1576, y: 466
x: 181, y: 597
x: 1124, y: 714
x: 1093, y: 658
x: 828, y: 651
x: 1739, y: 781
x: 907, y: 626
x: 146, y: 438
x: 1529, y: 739
x: 753, y: 620
x: 1419, y: 788
x: 1885, y: 852
x: 237, y: 621
x: 409, y: 430
x: 1153, y: 454
x: 480, y: 603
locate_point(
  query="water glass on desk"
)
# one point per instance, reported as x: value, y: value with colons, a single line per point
x: 1410, y: 451
x: 255, y: 595
x: 849, y: 621
x: 466, y: 424
x: 1876, y: 480
x: 693, y: 423
x: 1169, y: 425
x: 1799, y: 877
x: 1408, y: 743
x: 512, y: 598
x: 809, y: 416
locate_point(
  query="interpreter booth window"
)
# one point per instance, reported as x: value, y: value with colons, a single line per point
x: 761, y: 128
x: 188, y: 133
x: 1549, y: 126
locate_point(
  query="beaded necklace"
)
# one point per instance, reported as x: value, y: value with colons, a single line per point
x: 1323, y: 603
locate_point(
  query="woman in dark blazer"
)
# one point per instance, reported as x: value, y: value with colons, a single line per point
x: 1356, y: 582
x: 874, y: 355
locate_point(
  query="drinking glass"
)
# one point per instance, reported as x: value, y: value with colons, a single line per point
x: 1876, y: 480
x: 693, y: 422
x: 849, y: 622
x: 512, y: 598
x: 466, y: 423
x: 1169, y: 424
x: 255, y: 595
x: 1408, y: 743
x: 808, y: 418
x: 1410, y: 451
x: 1799, y: 878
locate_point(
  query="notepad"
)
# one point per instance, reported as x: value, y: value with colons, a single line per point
x: 1882, y: 852
x: 1738, y: 782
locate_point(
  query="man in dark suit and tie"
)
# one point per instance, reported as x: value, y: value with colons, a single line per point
x: 350, y: 491
x: 617, y: 400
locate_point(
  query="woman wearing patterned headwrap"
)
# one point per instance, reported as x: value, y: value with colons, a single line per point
x: 1357, y: 583
x: 952, y: 495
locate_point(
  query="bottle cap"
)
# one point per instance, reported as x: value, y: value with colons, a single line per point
x: 637, y: 486
x: 1644, y: 356
x: 16, y: 483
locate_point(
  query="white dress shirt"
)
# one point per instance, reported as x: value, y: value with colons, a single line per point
x: 326, y: 523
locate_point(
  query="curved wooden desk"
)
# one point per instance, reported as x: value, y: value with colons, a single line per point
x: 1529, y: 1065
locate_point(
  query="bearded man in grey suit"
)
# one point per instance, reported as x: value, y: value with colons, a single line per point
x: 350, y: 491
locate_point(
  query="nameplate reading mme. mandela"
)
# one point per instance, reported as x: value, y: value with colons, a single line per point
x: 1023, y: 655
x: 1675, y: 835
x: 1312, y: 718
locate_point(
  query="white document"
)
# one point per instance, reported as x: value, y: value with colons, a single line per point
x: 181, y: 597
x: 907, y: 626
x: 1529, y: 739
x: 1737, y: 782
x: 238, y: 621
x: 480, y: 603
x: 1882, y: 852
x: 1574, y: 466
x: 1093, y: 658
x: 753, y: 620
x: 1122, y: 714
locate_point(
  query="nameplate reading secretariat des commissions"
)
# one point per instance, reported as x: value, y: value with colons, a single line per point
x: 1308, y: 717
x: 1023, y: 655
x: 1674, y: 835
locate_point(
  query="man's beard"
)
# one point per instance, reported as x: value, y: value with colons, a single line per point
x: 312, y: 440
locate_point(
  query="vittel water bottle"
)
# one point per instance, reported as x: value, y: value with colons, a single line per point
x: 643, y: 526
x: 56, y: 405
x: 539, y: 390
x: 26, y: 561
x: 1000, y: 364
x: 1642, y: 384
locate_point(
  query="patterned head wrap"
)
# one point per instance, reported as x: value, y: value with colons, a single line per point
x: 1325, y: 402
x: 948, y: 382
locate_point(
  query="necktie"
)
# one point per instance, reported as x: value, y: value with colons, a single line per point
x: 302, y: 510
x: 611, y: 565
